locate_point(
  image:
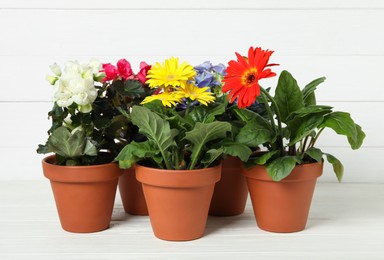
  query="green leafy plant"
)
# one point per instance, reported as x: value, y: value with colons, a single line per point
x: 89, y: 125
x: 294, y: 120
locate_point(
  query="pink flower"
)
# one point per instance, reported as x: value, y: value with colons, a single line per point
x: 110, y: 72
x: 144, y: 67
x: 124, y: 68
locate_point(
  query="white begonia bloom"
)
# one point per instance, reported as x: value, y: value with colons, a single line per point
x: 96, y: 67
x: 55, y: 69
x: 76, y: 85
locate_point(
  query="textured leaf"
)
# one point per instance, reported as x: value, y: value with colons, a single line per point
x: 288, y: 95
x: 302, y: 127
x: 66, y: 144
x: 338, y: 167
x: 90, y: 148
x: 356, y: 144
x: 308, y: 91
x: 206, y: 114
x: 342, y: 124
x: 154, y: 128
x: 210, y: 156
x: 315, y: 154
x: 134, y: 152
x: 204, y: 133
x: 239, y: 150
x: 255, y: 132
x: 281, y: 167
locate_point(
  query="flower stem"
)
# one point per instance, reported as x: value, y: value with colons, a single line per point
x: 278, y: 117
x: 313, y: 141
x: 269, y: 111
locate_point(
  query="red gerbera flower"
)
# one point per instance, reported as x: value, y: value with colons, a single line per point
x: 243, y: 75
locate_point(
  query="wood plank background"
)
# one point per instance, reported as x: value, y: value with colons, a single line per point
x: 342, y: 40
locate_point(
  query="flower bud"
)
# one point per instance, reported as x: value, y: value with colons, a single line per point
x: 55, y: 69
x: 51, y: 79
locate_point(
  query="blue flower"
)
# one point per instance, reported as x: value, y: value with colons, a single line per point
x: 220, y: 69
x: 205, y: 66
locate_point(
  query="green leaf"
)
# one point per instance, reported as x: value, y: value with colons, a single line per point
x: 302, y: 127
x: 154, y: 128
x: 312, y: 109
x: 255, y: 132
x: 135, y: 151
x: 260, y: 160
x: 338, y: 167
x: 90, y: 148
x: 342, y: 124
x: 288, y: 95
x: 308, y: 91
x: 315, y: 154
x: 281, y: 167
x: 66, y: 144
x: 206, y: 114
x: 239, y: 150
x: 356, y: 144
x: 130, y: 87
x: 202, y: 133
x: 210, y: 156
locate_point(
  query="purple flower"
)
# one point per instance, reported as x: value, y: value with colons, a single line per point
x: 220, y: 69
x: 205, y: 66
x: 204, y: 79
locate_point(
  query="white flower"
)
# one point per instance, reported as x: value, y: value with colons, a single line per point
x: 55, y: 69
x: 73, y: 67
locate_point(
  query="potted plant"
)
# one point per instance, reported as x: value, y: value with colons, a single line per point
x: 231, y: 192
x: 132, y: 90
x: 87, y: 133
x: 179, y: 164
x: 282, y: 178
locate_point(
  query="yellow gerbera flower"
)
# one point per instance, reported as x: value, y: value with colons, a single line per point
x: 193, y: 92
x: 168, y: 99
x: 170, y: 73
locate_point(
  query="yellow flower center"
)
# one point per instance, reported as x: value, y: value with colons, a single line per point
x: 249, y: 77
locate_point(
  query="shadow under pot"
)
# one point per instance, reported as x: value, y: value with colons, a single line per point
x: 84, y: 195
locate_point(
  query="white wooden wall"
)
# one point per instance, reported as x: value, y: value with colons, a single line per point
x: 342, y: 40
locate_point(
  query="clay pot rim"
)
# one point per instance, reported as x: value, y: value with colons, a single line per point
x: 259, y: 172
x: 177, y: 178
x: 80, y: 174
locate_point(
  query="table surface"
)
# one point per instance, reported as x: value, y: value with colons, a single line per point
x: 346, y: 222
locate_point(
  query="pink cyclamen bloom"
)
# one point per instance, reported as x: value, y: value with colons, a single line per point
x: 124, y: 68
x: 142, y: 75
x: 110, y: 72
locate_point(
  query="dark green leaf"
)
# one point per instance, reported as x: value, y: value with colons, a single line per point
x: 256, y: 131
x: 302, y: 127
x: 288, y: 95
x: 134, y: 152
x: 342, y: 124
x: 260, y: 160
x: 154, y: 128
x: 338, y: 167
x: 281, y: 167
x: 211, y: 156
x: 204, y: 133
x: 315, y: 154
x: 130, y: 87
x: 239, y: 150
x: 356, y: 144
x: 308, y: 91
x: 312, y: 109
x: 206, y: 114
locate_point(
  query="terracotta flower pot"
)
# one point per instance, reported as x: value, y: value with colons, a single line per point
x: 282, y: 206
x: 131, y: 193
x: 84, y: 195
x: 231, y: 192
x: 178, y: 200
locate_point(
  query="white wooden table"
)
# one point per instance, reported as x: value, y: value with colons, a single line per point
x: 346, y: 222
